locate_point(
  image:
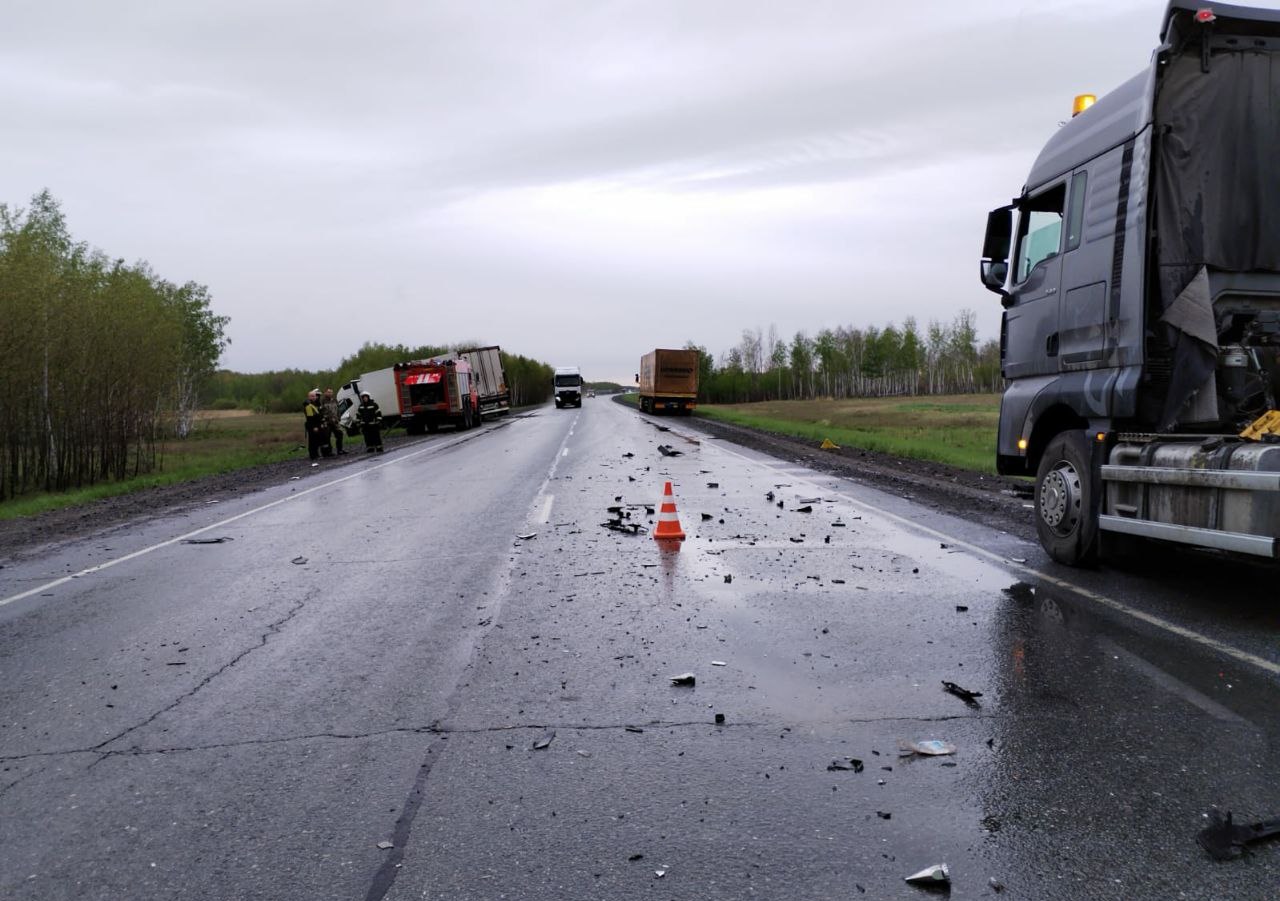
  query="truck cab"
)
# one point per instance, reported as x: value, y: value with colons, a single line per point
x: 567, y: 383
x: 1139, y: 270
x: 437, y: 391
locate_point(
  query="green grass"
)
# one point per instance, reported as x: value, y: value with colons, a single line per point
x: 956, y: 430
x: 221, y: 443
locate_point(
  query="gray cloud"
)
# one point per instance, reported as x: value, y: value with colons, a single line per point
x: 666, y: 171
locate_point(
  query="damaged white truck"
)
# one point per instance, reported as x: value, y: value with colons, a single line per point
x: 1140, y: 274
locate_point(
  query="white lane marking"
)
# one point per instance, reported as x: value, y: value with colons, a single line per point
x: 217, y: 525
x: 1171, y: 683
x: 1100, y: 599
x: 560, y: 453
x: 564, y: 452
x: 546, y: 508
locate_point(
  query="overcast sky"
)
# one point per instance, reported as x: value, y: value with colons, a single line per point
x: 576, y: 181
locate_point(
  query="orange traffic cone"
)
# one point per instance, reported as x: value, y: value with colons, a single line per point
x: 668, y: 520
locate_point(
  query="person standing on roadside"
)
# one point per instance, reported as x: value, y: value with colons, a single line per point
x: 331, y: 419
x: 314, y: 424
x: 370, y: 416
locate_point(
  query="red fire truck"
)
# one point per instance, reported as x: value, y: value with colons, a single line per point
x: 435, y: 391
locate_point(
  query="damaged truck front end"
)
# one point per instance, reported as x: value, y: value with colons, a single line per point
x: 1140, y: 274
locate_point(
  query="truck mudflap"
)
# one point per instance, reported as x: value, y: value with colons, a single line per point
x: 1221, y: 493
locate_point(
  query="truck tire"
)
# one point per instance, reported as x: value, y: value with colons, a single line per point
x: 479, y: 417
x: 1065, y: 517
x: 432, y: 427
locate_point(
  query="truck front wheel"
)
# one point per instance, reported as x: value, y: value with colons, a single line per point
x: 1065, y: 519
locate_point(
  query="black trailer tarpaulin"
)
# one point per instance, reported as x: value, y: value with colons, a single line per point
x: 1217, y: 117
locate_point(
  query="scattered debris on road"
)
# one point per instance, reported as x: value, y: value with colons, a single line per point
x: 962, y: 608
x: 1224, y: 840
x: 385, y: 846
x: 668, y: 451
x: 633, y: 728
x: 809, y: 500
x: 718, y: 663
x: 526, y: 536
x: 684, y: 679
x: 884, y: 814
x: 996, y: 885
x: 544, y: 741
x: 635, y: 857
x: 935, y: 876
x: 626, y: 528
x: 728, y: 577
x: 300, y: 561
x: 628, y: 455
x: 220, y: 540
x: 931, y: 747
x: 804, y: 509
x: 719, y: 719
x: 769, y: 496
x: 713, y: 484
x: 706, y: 516
x: 845, y: 763
x: 964, y: 694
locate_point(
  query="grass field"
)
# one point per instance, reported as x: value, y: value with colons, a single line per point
x: 959, y: 430
x: 222, y: 442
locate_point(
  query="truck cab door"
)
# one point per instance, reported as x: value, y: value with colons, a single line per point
x: 1030, y: 339
x: 1082, y: 315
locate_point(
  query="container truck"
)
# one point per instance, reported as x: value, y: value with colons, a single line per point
x: 1139, y: 269
x: 421, y: 395
x: 491, y: 379
x: 668, y: 381
x: 567, y: 383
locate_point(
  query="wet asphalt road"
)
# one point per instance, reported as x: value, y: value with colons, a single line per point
x: 218, y: 721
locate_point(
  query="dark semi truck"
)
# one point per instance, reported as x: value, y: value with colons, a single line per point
x: 1140, y: 275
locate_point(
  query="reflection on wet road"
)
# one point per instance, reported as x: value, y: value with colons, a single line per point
x: 406, y: 692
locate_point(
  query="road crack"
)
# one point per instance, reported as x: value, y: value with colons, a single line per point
x: 272, y: 629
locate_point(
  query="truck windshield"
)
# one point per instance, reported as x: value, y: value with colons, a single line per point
x: 568, y: 381
x: 1040, y: 229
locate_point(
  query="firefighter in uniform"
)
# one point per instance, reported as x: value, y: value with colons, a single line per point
x: 370, y: 423
x: 317, y: 434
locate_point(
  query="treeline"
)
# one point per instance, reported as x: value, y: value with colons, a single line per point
x: 100, y: 359
x: 945, y: 358
x: 285, y: 390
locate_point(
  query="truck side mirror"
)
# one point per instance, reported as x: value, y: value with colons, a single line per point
x: 995, y: 249
x: 637, y: 378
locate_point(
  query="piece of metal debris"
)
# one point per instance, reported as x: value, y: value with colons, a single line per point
x: 810, y: 500
x: 220, y: 540
x: 728, y: 577
x: 668, y: 451
x: 718, y: 663
x: 719, y: 719
x: 964, y: 694
x: 385, y: 845
x: 299, y: 560
x: 936, y: 875
x: 636, y: 857
x: 684, y: 679
x: 962, y: 608
x: 659, y: 873
x: 713, y: 484
x: 706, y: 516
x: 544, y: 741
x: 996, y: 885
x: 1224, y: 840
x: 845, y: 763
x: 527, y: 535
x: 632, y: 728
x: 804, y: 509
x: 931, y: 747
